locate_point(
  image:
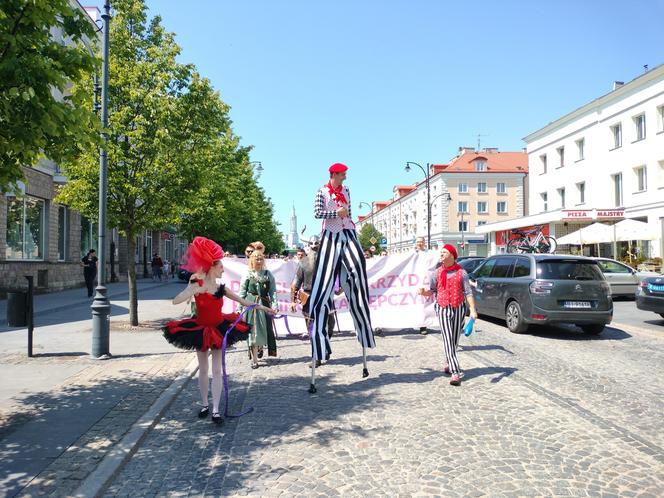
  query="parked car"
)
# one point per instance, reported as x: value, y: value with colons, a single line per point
x: 622, y: 278
x: 529, y: 289
x: 469, y: 263
x: 650, y: 294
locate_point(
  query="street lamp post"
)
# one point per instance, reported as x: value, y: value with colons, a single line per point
x: 101, y: 307
x: 258, y: 167
x: 359, y: 206
x: 448, y: 198
x: 463, y: 242
x: 426, y: 177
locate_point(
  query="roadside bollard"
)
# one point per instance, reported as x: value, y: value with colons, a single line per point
x: 29, y: 312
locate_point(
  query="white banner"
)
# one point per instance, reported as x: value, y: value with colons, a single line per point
x: 393, y: 285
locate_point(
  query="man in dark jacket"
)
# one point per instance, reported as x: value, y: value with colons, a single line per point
x: 89, y: 262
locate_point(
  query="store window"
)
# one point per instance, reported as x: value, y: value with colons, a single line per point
x: 88, y: 235
x: 25, y: 228
x: 63, y: 232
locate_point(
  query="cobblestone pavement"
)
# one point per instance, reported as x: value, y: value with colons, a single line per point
x: 549, y: 413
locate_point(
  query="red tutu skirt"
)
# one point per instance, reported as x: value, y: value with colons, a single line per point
x: 190, y: 334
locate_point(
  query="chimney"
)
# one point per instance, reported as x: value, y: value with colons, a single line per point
x: 464, y: 150
x: 618, y: 84
x: 490, y: 150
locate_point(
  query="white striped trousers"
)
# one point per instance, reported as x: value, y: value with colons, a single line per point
x: 451, y: 321
x: 341, y: 255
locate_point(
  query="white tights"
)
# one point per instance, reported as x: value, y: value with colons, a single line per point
x: 203, y: 381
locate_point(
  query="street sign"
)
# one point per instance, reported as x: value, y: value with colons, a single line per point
x: 383, y: 241
x: 373, y: 240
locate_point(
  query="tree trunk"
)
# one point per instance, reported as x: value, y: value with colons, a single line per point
x: 131, y: 280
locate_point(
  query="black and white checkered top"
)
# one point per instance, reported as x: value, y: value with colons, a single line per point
x: 325, y: 208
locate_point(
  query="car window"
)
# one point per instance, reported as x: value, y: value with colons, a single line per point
x: 568, y: 269
x: 485, y: 269
x: 502, y: 268
x: 613, y: 267
x: 521, y: 267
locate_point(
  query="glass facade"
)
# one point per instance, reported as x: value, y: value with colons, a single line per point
x: 25, y: 228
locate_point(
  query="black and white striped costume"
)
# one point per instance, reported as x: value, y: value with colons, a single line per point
x: 340, y: 255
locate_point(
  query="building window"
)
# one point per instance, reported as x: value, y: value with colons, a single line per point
x: 88, y: 235
x: 501, y: 207
x: 25, y: 228
x: 148, y: 244
x: 616, y: 134
x: 581, y: 190
x: 482, y: 207
x: 481, y: 222
x: 481, y: 188
x: 463, y: 226
x: 480, y: 165
x: 660, y: 119
x: 561, y: 195
x: 63, y: 232
x: 500, y: 188
x: 580, y: 146
x: 641, y: 178
x: 543, y: 161
x: 463, y: 188
x: 640, y: 127
x: 617, y: 190
x: 561, y: 156
x: 545, y: 203
x: 463, y: 207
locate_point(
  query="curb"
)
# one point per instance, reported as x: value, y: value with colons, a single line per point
x: 96, y: 483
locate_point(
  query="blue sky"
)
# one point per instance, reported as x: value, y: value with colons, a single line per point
x: 376, y: 83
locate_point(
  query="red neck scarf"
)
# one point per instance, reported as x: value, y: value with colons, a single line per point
x: 444, y: 270
x: 337, y: 193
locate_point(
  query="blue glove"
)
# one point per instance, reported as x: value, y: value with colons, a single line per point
x: 468, y: 329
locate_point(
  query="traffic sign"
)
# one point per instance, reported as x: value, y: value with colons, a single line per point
x: 373, y: 240
x: 383, y: 241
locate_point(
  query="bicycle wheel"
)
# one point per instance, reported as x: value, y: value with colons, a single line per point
x: 548, y: 245
x: 517, y: 246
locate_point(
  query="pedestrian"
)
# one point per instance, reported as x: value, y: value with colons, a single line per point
x: 206, y: 331
x: 167, y: 268
x: 89, y: 263
x: 249, y: 250
x: 367, y: 254
x: 301, y: 288
x: 453, y: 290
x: 421, y: 248
x: 300, y: 254
x: 258, y: 246
x: 259, y: 287
x: 156, y: 264
x: 340, y: 255
x: 383, y: 252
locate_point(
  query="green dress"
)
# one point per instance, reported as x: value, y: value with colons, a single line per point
x: 259, y: 287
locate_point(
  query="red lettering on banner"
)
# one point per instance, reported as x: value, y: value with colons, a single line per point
x: 413, y: 280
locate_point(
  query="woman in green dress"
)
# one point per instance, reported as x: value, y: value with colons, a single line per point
x: 259, y: 287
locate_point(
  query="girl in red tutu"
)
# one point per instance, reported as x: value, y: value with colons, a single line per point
x: 205, y: 332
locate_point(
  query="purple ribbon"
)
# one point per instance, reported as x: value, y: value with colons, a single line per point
x: 223, y: 365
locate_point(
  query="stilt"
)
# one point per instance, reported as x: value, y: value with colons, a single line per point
x: 312, y: 386
x: 365, y: 371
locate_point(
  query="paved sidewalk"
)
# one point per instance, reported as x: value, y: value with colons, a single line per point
x: 62, y: 412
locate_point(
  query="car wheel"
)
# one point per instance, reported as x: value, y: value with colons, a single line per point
x: 514, y: 318
x: 594, y: 329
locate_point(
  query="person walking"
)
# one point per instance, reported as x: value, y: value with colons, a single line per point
x: 452, y: 288
x: 205, y: 332
x: 89, y: 263
x: 259, y: 287
x: 340, y: 255
x: 156, y: 264
x: 421, y: 248
x: 301, y: 288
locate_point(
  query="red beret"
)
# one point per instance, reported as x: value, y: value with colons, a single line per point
x: 338, y: 168
x: 451, y: 249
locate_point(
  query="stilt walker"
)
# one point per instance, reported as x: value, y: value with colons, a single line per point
x: 340, y: 255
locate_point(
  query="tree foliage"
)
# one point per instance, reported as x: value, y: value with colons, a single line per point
x: 366, y: 233
x: 39, y: 116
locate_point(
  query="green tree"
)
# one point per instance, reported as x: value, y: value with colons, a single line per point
x: 39, y: 116
x: 366, y: 233
x: 162, y: 115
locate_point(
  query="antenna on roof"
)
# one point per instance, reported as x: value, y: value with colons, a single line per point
x: 645, y: 68
x: 479, y: 142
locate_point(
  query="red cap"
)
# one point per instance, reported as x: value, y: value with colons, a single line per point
x: 451, y: 249
x: 338, y: 168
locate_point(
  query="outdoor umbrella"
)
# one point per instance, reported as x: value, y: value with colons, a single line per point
x: 596, y: 233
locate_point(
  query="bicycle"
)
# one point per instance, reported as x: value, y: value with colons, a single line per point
x: 532, y: 241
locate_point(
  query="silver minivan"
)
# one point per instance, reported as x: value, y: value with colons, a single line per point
x: 529, y: 289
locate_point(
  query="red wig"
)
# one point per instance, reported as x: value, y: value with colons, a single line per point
x: 201, y: 255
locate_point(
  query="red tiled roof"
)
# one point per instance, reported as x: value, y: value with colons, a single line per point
x: 496, y: 162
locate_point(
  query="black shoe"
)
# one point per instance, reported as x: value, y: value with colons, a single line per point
x: 260, y: 353
x: 204, y: 412
x: 217, y: 418
x: 423, y: 331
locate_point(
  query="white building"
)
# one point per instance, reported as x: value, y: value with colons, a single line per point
x: 475, y: 188
x: 293, y: 239
x: 605, y: 160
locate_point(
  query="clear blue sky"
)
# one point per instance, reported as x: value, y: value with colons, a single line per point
x: 375, y: 83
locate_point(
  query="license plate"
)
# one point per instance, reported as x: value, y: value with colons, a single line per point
x: 576, y: 304
x: 656, y: 288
